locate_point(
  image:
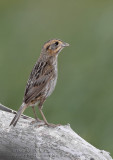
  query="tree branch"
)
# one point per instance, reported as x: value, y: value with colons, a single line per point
x: 29, y: 141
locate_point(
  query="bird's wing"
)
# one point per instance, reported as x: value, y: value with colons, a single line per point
x: 39, y: 77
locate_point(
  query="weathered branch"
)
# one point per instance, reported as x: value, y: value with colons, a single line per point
x: 29, y: 141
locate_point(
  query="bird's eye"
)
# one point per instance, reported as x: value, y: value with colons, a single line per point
x: 47, y: 47
x: 56, y: 43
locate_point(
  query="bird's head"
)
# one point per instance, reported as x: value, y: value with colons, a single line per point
x: 53, y: 47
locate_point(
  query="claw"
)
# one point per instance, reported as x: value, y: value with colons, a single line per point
x: 52, y: 125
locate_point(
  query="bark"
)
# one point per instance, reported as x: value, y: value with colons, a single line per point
x: 33, y: 141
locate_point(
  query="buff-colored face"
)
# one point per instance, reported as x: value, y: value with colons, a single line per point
x: 54, y: 46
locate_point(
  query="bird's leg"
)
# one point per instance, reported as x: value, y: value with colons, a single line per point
x: 44, y: 118
x: 36, y: 117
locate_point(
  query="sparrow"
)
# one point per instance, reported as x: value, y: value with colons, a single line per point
x: 42, y: 80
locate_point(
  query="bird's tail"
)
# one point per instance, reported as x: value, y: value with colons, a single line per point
x: 18, y: 114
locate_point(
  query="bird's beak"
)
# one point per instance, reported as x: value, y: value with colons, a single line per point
x: 64, y: 44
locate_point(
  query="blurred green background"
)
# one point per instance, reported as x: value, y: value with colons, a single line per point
x: 84, y: 93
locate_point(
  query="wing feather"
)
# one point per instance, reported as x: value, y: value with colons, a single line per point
x: 39, y: 77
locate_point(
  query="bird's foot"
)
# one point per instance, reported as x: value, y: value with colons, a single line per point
x: 48, y: 124
x: 52, y: 125
x: 37, y: 120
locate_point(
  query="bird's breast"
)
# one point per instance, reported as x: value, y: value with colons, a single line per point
x: 52, y: 83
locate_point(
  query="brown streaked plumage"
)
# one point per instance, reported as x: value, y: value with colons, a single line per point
x: 42, y: 80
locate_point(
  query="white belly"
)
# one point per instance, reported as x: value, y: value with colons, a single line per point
x: 51, y: 86
x: 52, y: 83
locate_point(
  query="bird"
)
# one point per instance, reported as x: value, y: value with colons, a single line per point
x: 42, y: 80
